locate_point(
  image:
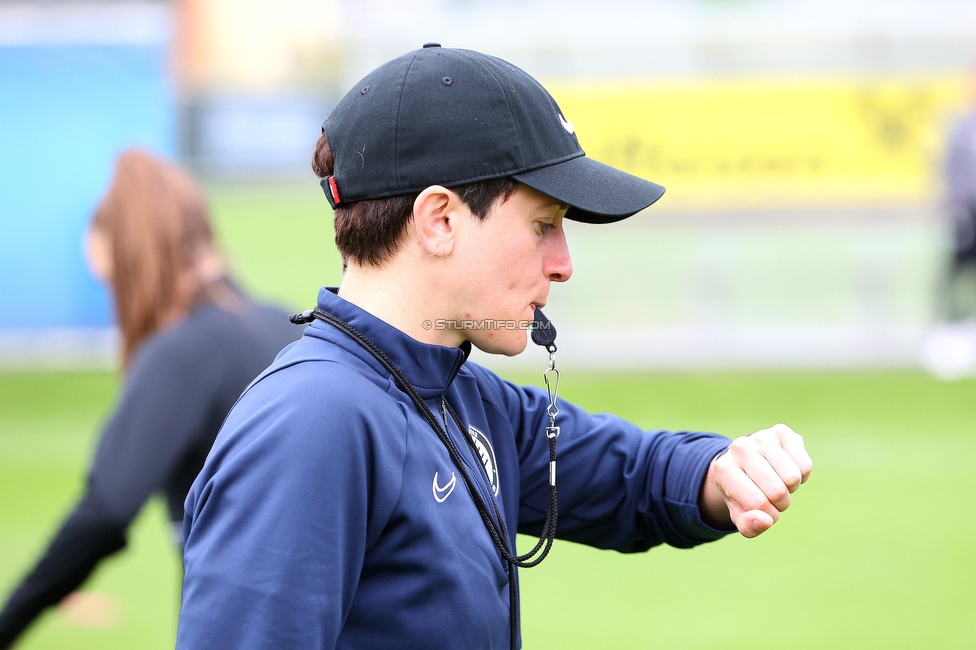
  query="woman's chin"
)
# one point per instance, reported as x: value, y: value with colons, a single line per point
x: 506, y: 342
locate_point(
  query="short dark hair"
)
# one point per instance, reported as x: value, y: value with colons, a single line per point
x: 369, y: 232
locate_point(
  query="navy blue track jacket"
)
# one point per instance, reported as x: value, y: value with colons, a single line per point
x: 329, y: 514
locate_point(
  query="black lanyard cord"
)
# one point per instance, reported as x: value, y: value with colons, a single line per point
x: 385, y: 361
x: 497, y: 531
x: 525, y: 560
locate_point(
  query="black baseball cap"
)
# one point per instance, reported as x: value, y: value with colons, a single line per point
x: 440, y: 116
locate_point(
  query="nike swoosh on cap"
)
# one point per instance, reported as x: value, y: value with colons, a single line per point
x: 570, y: 129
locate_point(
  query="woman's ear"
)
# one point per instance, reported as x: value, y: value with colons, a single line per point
x: 98, y: 254
x: 435, y: 215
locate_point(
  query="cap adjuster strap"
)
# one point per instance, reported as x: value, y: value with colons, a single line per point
x: 331, y: 191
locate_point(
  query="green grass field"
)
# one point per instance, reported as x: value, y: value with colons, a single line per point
x: 875, y: 553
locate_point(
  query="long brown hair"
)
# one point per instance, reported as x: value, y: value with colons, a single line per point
x: 156, y: 221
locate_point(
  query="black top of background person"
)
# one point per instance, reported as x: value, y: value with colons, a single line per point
x: 182, y: 382
x: 439, y: 116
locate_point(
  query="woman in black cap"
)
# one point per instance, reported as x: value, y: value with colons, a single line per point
x: 365, y: 492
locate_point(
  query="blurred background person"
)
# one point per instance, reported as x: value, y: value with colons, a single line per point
x: 949, y: 347
x: 960, y: 173
x: 191, y: 342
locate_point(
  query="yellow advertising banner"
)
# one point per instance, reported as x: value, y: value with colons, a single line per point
x: 771, y: 142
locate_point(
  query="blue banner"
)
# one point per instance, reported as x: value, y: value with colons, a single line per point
x: 66, y: 111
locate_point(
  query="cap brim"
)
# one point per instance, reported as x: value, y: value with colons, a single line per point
x: 596, y: 193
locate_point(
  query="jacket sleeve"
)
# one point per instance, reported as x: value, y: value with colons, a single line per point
x: 87, y: 536
x: 278, y: 522
x: 619, y: 487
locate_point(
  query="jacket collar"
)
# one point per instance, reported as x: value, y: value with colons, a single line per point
x: 429, y: 368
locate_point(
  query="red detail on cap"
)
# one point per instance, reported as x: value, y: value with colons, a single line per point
x: 335, y: 190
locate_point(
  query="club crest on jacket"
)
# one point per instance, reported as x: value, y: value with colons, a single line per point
x: 486, y: 453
